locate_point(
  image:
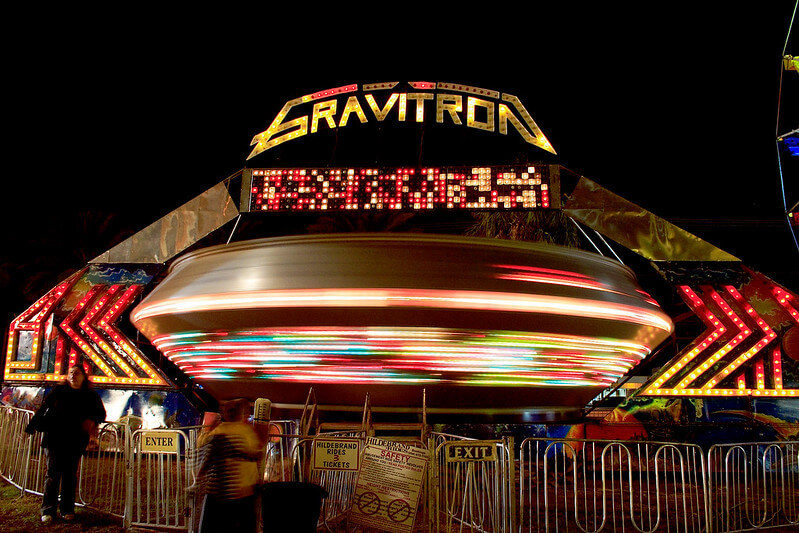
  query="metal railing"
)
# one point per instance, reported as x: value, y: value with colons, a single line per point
x: 594, y: 486
x: 22, y: 460
x: 115, y: 476
x: 753, y: 486
x: 279, y: 458
x: 586, y: 486
x: 471, y: 495
x: 157, y: 494
x: 103, y: 470
x: 339, y: 485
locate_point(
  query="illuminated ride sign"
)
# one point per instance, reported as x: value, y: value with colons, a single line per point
x: 416, y: 189
x: 78, y: 321
x: 485, y: 110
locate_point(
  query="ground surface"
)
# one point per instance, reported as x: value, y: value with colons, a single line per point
x: 21, y: 513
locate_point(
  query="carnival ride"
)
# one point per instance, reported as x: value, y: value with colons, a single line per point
x: 481, y: 325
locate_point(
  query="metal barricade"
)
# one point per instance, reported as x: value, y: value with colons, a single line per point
x: 753, y: 486
x: 22, y: 459
x: 567, y: 484
x: 594, y: 486
x: 471, y: 495
x: 159, y: 475
x: 278, y: 463
x: 103, y: 477
x: 339, y: 485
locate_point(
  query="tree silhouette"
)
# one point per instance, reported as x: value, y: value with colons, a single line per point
x: 39, y: 259
x: 549, y: 226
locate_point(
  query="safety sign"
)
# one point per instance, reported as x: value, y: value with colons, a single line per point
x: 388, y: 486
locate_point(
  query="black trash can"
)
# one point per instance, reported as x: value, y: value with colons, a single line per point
x: 291, y: 506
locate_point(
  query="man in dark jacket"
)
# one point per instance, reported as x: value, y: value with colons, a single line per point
x: 68, y: 417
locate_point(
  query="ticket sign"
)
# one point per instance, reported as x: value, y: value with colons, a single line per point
x: 336, y: 454
x: 160, y: 442
x: 473, y: 450
x: 388, y: 486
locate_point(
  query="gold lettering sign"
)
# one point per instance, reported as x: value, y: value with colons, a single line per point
x: 486, y: 110
x: 381, y: 114
x: 452, y: 104
x: 474, y: 450
x: 471, y: 104
x: 159, y: 442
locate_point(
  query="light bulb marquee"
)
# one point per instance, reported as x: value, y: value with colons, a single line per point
x: 739, y: 354
x: 485, y: 110
x: 405, y: 188
x: 76, y: 323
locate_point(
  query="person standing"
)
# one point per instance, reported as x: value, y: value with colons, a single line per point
x: 229, y: 472
x: 68, y: 418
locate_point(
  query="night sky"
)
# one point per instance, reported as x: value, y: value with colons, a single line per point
x: 673, y: 107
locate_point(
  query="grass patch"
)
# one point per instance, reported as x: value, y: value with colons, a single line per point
x: 20, y: 513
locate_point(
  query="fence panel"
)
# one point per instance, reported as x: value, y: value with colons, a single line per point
x: 594, y: 486
x: 279, y: 462
x: 22, y: 459
x: 157, y: 481
x: 563, y: 485
x: 340, y: 485
x: 753, y: 486
x: 103, y: 477
x: 472, y: 495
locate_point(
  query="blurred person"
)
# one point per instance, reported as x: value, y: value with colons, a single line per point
x: 68, y: 418
x: 211, y: 421
x: 229, y: 472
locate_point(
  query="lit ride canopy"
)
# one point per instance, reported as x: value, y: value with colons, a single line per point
x: 535, y: 326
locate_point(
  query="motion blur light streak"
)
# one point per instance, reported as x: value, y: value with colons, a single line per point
x: 483, y: 301
x: 369, y: 355
x: 529, y: 325
x: 554, y: 277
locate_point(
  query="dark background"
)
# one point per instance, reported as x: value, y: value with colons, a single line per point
x: 114, y: 123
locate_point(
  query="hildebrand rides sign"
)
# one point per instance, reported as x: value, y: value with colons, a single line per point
x: 486, y: 110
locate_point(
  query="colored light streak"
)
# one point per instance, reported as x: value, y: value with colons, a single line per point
x: 555, y: 277
x: 399, y: 298
x: 546, y: 275
x: 402, y: 356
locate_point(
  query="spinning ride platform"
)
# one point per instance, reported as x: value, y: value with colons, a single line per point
x: 532, y: 327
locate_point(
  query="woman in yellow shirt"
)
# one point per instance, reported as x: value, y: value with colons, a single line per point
x: 229, y: 471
